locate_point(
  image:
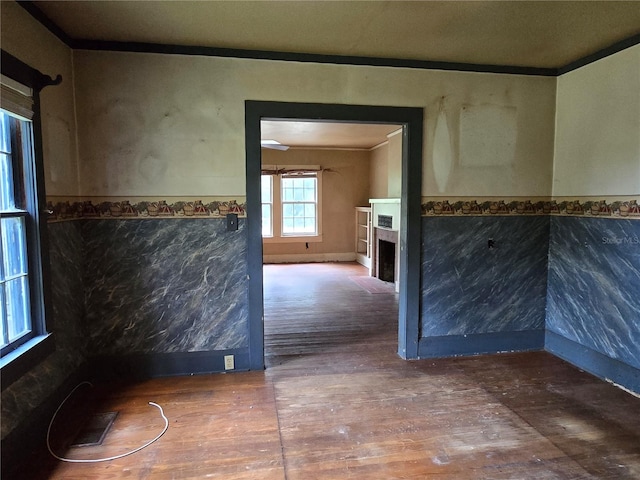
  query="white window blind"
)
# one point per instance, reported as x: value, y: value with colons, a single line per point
x: 16, y: 98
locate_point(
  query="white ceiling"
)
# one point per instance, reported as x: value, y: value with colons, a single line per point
x: 326, y: 134
x: 543, y: 34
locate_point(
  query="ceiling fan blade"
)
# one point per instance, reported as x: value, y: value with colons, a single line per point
x: 273, y: 144
x: 276, y: 147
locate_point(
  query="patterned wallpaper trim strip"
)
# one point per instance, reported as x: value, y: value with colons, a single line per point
x: 61, y: 210
x: 611, y: 207
x: 218, y: 207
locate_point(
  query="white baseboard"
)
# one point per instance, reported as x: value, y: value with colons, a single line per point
x: 363, y: 260
x: 310, y: 258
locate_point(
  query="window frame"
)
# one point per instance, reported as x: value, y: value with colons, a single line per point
x: 21, y: 154
x: 270, y: 204
x: 278, y: 236
x: 20, y: 358
x: 284, y: 202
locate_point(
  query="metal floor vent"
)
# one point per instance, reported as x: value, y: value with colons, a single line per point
x: 94, y: 431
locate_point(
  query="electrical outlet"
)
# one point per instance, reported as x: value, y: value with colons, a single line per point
x: 229, y: 363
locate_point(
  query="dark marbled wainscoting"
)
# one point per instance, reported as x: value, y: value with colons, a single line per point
x: 21, y: 398
x: 165, y: 286
x: 471, y: 289
x: 67, y: 289
x: 594, y: 285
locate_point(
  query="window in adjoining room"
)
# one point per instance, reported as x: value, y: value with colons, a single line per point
x: 291, y: 206
x: 267, y: 205
x: 299, y: 204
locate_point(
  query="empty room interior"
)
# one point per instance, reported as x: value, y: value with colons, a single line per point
x: 309, y: 239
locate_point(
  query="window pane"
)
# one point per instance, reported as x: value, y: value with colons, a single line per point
x: 14, y: 248
x: 266, y: 221
x: 5, y: 142
x: 266, y: 188
x: 309, y: 195
x: 6, y: 183
x: 309, y: 224
x: 17, y: 305
x: 302, y: 220
x: 6, y: 173
x: 287, y: 210
x: 310, y: 210
x: 287, y: 193
x: 298, y: 194
x: 298, y: 224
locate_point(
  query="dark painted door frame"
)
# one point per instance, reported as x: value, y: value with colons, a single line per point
x: 410, y: 266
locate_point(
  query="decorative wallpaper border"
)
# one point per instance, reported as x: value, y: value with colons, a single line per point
x: 628, y: 208
x: 60, y: 210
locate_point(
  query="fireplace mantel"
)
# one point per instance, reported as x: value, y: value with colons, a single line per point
x: 387, y: 207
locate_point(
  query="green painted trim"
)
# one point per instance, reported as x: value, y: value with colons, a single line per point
x: 412, y: 121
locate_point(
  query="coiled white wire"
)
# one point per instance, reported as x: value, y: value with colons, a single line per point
x: 96, y: 460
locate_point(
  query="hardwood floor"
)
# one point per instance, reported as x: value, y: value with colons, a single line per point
x: 337, y: 402
x: 317, y: 309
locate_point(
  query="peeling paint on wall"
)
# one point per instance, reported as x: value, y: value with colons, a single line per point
x: 442, y: 151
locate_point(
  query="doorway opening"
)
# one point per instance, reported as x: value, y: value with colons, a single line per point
x: 410, y: 120
x: 315, y: 177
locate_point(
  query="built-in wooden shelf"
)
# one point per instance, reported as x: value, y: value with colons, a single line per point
x: 363, y: 236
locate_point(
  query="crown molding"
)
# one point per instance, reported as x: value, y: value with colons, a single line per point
x: 600, y: 54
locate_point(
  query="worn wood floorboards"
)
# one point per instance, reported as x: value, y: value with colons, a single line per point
x: 336, y: 402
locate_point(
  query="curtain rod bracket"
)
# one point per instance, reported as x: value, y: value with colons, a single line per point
x: 47, y: 81
x: 19, y: 71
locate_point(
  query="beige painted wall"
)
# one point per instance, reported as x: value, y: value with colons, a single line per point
x: 386, y: 168
x: 597, y: 148
x: 29, y: 41
x: 174, y: 125
x: 394, y: 185
x: 379, y: 172
x: 344, y: 187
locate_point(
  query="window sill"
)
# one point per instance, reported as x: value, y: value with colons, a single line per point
x: 292, y: 239
x: 15, y: 364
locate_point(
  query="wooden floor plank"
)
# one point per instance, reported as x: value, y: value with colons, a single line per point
x: 336, y: 402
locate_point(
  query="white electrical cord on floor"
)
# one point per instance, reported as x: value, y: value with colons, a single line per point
x: 115, y: 457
